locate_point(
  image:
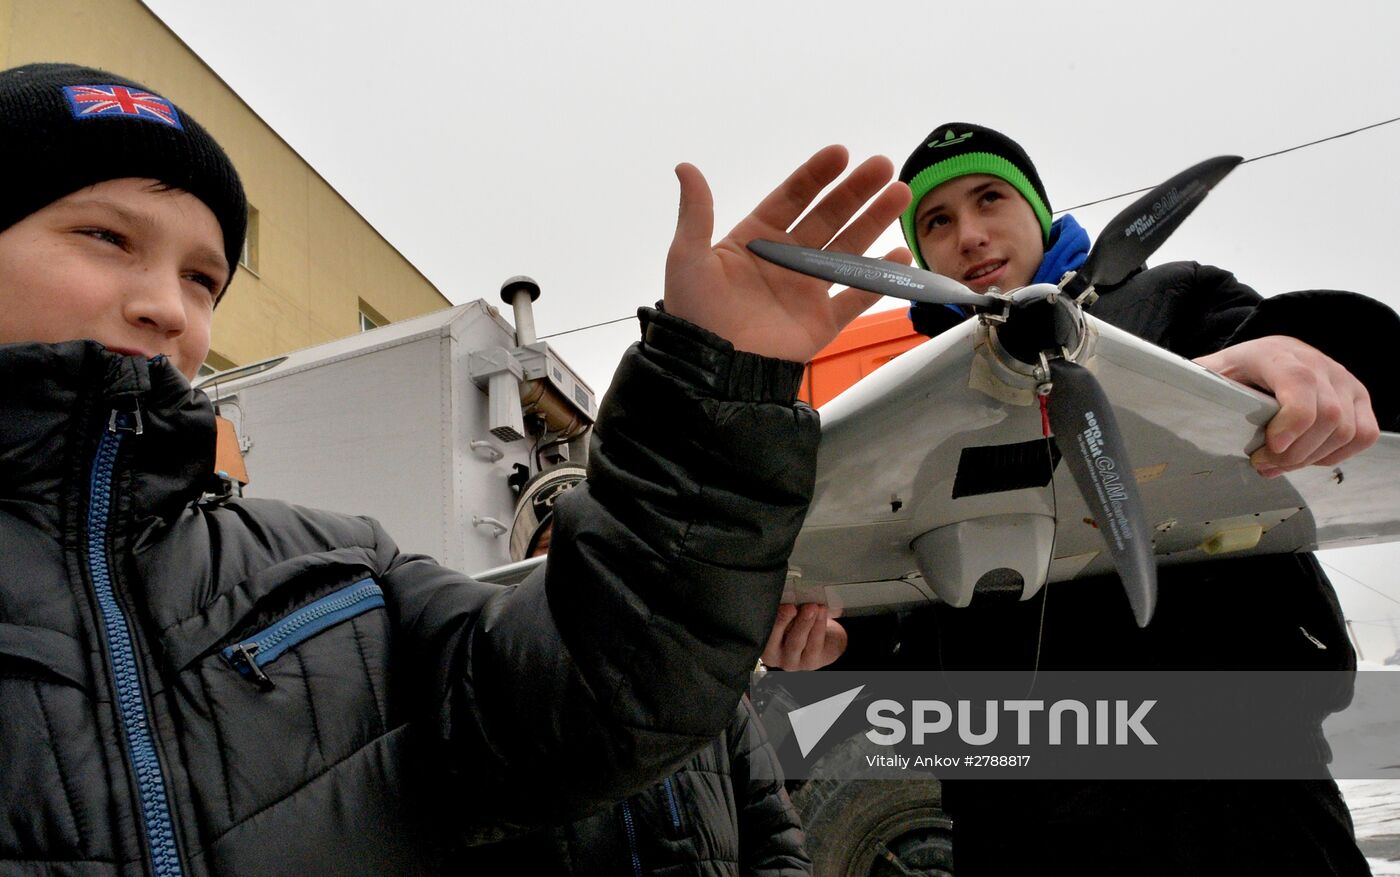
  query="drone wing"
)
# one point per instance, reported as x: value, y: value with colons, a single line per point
x: 936, y: 442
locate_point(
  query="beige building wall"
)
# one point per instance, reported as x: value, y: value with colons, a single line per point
x: 317, y: 263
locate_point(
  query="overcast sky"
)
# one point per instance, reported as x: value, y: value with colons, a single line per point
x: 487, y: 140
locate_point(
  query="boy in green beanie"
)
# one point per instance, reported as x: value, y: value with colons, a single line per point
x: 980, y: 215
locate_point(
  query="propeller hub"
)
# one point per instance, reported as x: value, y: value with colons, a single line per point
x: 1046, y: 323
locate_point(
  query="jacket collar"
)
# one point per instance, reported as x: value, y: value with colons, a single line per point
x: 56, y: 405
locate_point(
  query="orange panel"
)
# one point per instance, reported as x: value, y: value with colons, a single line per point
x: 866, y: 344
x: 228, y: 459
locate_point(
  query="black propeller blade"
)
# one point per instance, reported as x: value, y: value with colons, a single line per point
x: 1088, y: 437
x: 874, y: 275
x: 1136, y: 233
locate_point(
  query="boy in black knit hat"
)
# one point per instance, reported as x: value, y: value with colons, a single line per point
x: 980, y: 215
x: 64, y: 128
x: 107, y: 185
x: 245, y: 687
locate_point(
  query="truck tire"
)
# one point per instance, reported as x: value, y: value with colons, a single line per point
x: 873, y: 827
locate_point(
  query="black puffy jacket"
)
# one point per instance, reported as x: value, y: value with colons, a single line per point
x: 725, y: 813
x: 247, y: 687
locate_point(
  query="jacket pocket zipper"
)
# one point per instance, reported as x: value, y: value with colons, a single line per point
x: 675, y: 809
x: 631, y: 830
x: 251, y: 655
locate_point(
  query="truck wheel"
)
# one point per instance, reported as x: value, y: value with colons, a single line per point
x: 873, y: 828
x: 876, y: 828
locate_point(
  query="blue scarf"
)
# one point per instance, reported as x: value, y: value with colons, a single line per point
x: 1069, y: 246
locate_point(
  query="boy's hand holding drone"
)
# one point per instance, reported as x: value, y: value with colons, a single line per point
x: 1324, y: 415
x: 804, y: 637
x: 756, y: 305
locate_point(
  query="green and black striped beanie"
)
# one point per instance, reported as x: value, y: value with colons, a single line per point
x: 956, y: 149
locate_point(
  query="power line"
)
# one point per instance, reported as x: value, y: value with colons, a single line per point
x: 585, y: 328
x: 1089, y: 203
x: 1246, y: 161
x: 1359, y: 582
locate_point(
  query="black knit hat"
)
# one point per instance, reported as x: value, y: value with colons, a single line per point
x: 65, y: 127
x: 956, y: 149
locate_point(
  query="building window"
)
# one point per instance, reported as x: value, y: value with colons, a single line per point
x: 213, y: 364
x: 370, y: 318
x: 248, y: 258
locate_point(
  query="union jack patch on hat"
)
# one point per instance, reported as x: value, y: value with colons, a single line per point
x: 101, y: 101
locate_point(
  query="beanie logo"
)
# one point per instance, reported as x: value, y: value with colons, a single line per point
x: 949, y: 139
x: 104, y: 101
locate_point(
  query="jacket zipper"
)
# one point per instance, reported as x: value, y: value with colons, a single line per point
x: 131, y: 701
x: 249, y: 656
x: 631, y: 830
x: 675, y: 810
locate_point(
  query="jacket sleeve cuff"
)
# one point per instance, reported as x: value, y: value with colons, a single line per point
x: 1356, y: 331
x: 712, y: 364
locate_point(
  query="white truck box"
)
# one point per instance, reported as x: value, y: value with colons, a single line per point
x: 392, y: 424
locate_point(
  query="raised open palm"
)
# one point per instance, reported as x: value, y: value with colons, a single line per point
x: 756, y: 305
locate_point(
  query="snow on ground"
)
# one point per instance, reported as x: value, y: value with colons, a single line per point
x: 1375, y: 806
x: 1375, y: 810
x: 1383, y: 867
